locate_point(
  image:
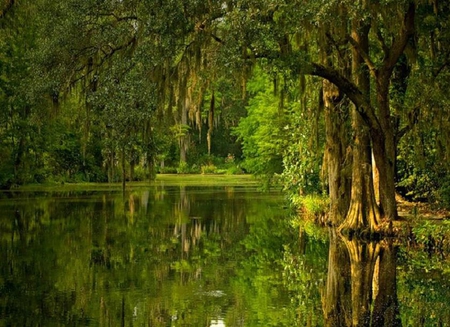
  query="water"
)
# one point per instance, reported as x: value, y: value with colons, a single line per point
x: 198, y: 256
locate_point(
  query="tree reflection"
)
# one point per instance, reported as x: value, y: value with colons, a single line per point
x: 361, y: 283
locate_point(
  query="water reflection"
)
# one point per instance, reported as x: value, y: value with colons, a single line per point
x: 165, y: 256
x: 191, y: 256
x: 361, y: 283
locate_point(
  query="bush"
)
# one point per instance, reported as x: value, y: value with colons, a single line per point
x: 209, y: 169
x: 167, y: 170
x: 183, y: 168
x: 140, y: 173
x: 313, y: 207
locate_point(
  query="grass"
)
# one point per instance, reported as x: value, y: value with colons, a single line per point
x: 161, y: 179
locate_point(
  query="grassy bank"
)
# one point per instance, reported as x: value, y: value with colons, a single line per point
x: 161, y: 179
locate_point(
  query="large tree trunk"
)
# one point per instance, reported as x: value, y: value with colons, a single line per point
x: 337, y: 154
x: 337, y: 158
x: 378, y: 121
x: 384, y: 143
x: 363, y: 214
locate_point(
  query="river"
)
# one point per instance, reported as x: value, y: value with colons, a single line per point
x: 200, y: 255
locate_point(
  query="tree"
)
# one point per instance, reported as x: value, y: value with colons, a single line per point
x: 261, y: 131
x: 22, y: 115
x: 275, y: 39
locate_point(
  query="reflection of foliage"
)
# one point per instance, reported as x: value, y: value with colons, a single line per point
x: 259, y: 282
x: 158, y: 256
x: 423, y: 276
x: 304, y: 274
x: 423, y: 297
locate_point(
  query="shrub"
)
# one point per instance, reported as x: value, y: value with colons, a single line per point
x: 313, y: 207
x: 183, y: 168
x: 167, y: 170
x: 208, y: 169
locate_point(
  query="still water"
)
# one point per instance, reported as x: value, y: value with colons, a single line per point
x: 199, y: 256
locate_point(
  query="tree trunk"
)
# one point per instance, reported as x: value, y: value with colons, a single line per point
x: 363, y: 214
x: 210, y: 122
x: 184, y: 137
x: 384, y: 152
x: 338, y: 160
x: 337, y: 155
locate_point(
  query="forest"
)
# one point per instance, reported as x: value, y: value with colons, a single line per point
x: 347, y: 99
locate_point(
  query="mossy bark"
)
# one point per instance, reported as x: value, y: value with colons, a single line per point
x: 363, y: 214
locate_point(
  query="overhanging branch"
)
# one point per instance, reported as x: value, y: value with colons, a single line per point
x: 349, y: 89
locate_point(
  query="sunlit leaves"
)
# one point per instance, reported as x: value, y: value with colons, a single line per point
x: 261, y: 131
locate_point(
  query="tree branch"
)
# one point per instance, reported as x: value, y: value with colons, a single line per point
x: 380, y: 38
x: 399, y: 43
x: 363, y: 54
x: 351, y: 90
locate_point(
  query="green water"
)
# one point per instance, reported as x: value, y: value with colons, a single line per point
x: 184, y: 255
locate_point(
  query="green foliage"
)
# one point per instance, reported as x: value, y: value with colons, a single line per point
x: 422, y: 174
x: 433, y: 236
x: 183, y: 168
x: 302, y: 156
x: 90, y: 90
x: 443, y: 194
x: 261, y: 131
x: 208, y: 169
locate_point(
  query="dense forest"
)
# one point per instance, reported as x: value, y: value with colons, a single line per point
x: 338, y: 97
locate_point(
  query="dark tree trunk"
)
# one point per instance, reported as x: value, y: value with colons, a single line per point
x: 378, y: 121
x: 337, y: 154
x: 384, y: 152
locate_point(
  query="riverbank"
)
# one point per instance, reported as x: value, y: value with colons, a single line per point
x: 161, y: 179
